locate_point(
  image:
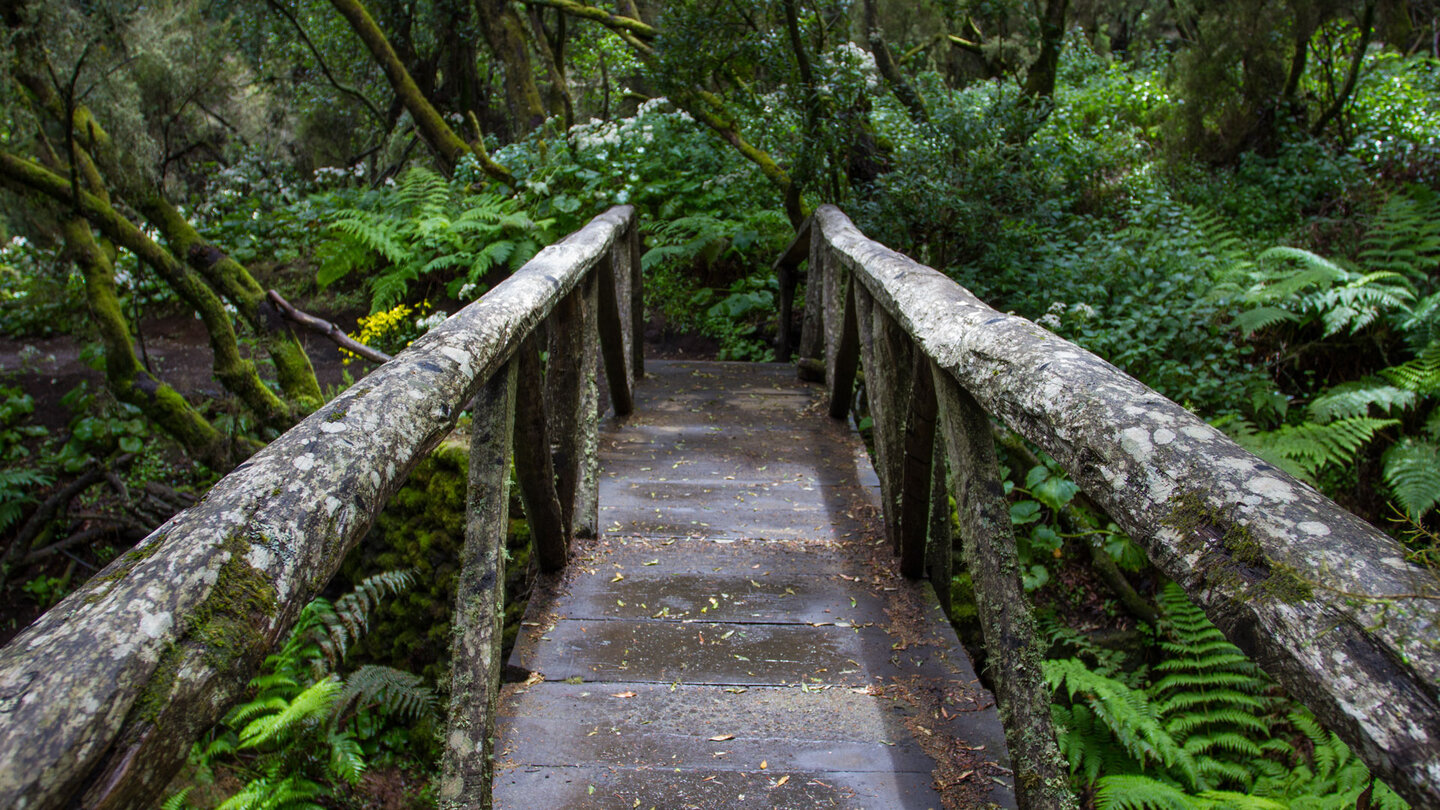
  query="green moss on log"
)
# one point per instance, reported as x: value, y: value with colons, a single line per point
x: 1234, y: 559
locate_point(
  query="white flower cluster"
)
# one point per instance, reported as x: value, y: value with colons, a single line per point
x: 1052, y: 317
x: 434, y: 319
x: 339, y: 172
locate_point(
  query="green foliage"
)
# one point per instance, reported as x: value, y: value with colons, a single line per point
x: 1387, y: 301
x: 307, y: 730
x: 428, y: 228
x: 1203, y: 728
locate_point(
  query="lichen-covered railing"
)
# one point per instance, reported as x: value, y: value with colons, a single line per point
x: 101, y: 698
x: 1325, y: 603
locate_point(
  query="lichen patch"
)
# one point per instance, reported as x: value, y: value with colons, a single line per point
x: 1271, y: 489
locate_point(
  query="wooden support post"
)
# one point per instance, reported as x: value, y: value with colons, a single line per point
x: 915, y: 488
x: 611, y: 324
x: 586, y: 510
x: 478, y: 621
x: 833, y: 300
x: 637, y: 300
x: 847, y: 356
x: 810, y: 366
x: 988, y: 543
x: 534, y: 466
x: 787, y: 273
x: 886, y: 355
x: 938, y: 566
x: 562, y: 396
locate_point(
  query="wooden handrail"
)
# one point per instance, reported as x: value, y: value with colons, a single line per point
x: 1323, y: 601
x: 102, y: 696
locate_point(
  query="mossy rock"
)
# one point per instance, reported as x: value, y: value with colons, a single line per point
x: 423, y: 529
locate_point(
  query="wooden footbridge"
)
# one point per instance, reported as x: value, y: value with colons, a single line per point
x: 738, y: 611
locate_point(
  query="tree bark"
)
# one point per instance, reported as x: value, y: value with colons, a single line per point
x: 442, y: 140
x: 126, y: 378
x: 234, y: 372
x: 505, y: 33
x: 1367, y: 24
x: 889, y: 71
x: 1040, y: 81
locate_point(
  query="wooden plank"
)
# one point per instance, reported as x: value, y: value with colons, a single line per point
x: 915, y: 489
x: 847, y: 357
x: 477, y: 622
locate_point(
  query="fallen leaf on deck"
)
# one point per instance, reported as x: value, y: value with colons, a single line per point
x: 722, y: 737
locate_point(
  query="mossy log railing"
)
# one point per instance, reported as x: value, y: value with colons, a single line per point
x: 102, y: 697
x: 1324, y: 602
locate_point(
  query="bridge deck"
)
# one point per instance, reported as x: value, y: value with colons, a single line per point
x: 738, y: 636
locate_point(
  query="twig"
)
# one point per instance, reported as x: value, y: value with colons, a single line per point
x: 326, y: 329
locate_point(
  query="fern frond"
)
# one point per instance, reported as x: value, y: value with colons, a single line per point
x: 1128, y: 792
x: 1412, y: 471
x: 1421, y: 375
x: 347, y: 759
x: 394, y: 691
x: 1253, y: 320
x: 1279, y: 285
x: 1356, y: 398
x: 374, y: 233
x: 310, y: 706
x: 1310, y: 447
x: 178, y: 801
x: 1228, y: 800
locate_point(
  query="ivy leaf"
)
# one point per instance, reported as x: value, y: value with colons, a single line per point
x: 1055, y: 492
x: 1024, y: 512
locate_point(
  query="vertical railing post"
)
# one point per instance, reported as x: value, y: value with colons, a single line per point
x: 534, y: 465
x: 918, y: 443
x: 938, y: 565
x: 637, y: 298
x: 787, y: 277
x: 885, y: 354
x: 478, y: 619
x: 585, y: 514
x: 811, y: 363
x: 610, y: 322
x: 988, y: 544
x: 847, y: 356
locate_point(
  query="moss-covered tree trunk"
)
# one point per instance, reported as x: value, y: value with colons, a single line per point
x: 128, y: 380
x: 447, y: 146
x: 1040, y: 81
x: 505, y: 33
x: 228, y: 277
x: 234, y: 372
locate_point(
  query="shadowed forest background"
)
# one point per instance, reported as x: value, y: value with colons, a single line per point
x: 1237, y: 204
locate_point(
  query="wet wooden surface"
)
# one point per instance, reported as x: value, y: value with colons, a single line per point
x: 738, y: 636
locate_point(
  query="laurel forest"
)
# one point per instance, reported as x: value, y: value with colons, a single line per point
x: 1237, y: 204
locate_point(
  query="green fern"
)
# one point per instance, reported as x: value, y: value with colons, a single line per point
x: 427, y: 227
x: 309, y: 708
x: 13, y: 493
x: 1306, y: 449
x: 1356, y: 398
x: 1203, y: 729
x: 306, y: 726
x: 1412, y: 471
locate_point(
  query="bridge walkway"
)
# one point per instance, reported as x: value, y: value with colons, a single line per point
x: 737, y: 636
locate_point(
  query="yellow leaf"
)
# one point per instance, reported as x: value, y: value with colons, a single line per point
x: 782, y: 780
x: 722, y: 737
x: 623, y: 694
